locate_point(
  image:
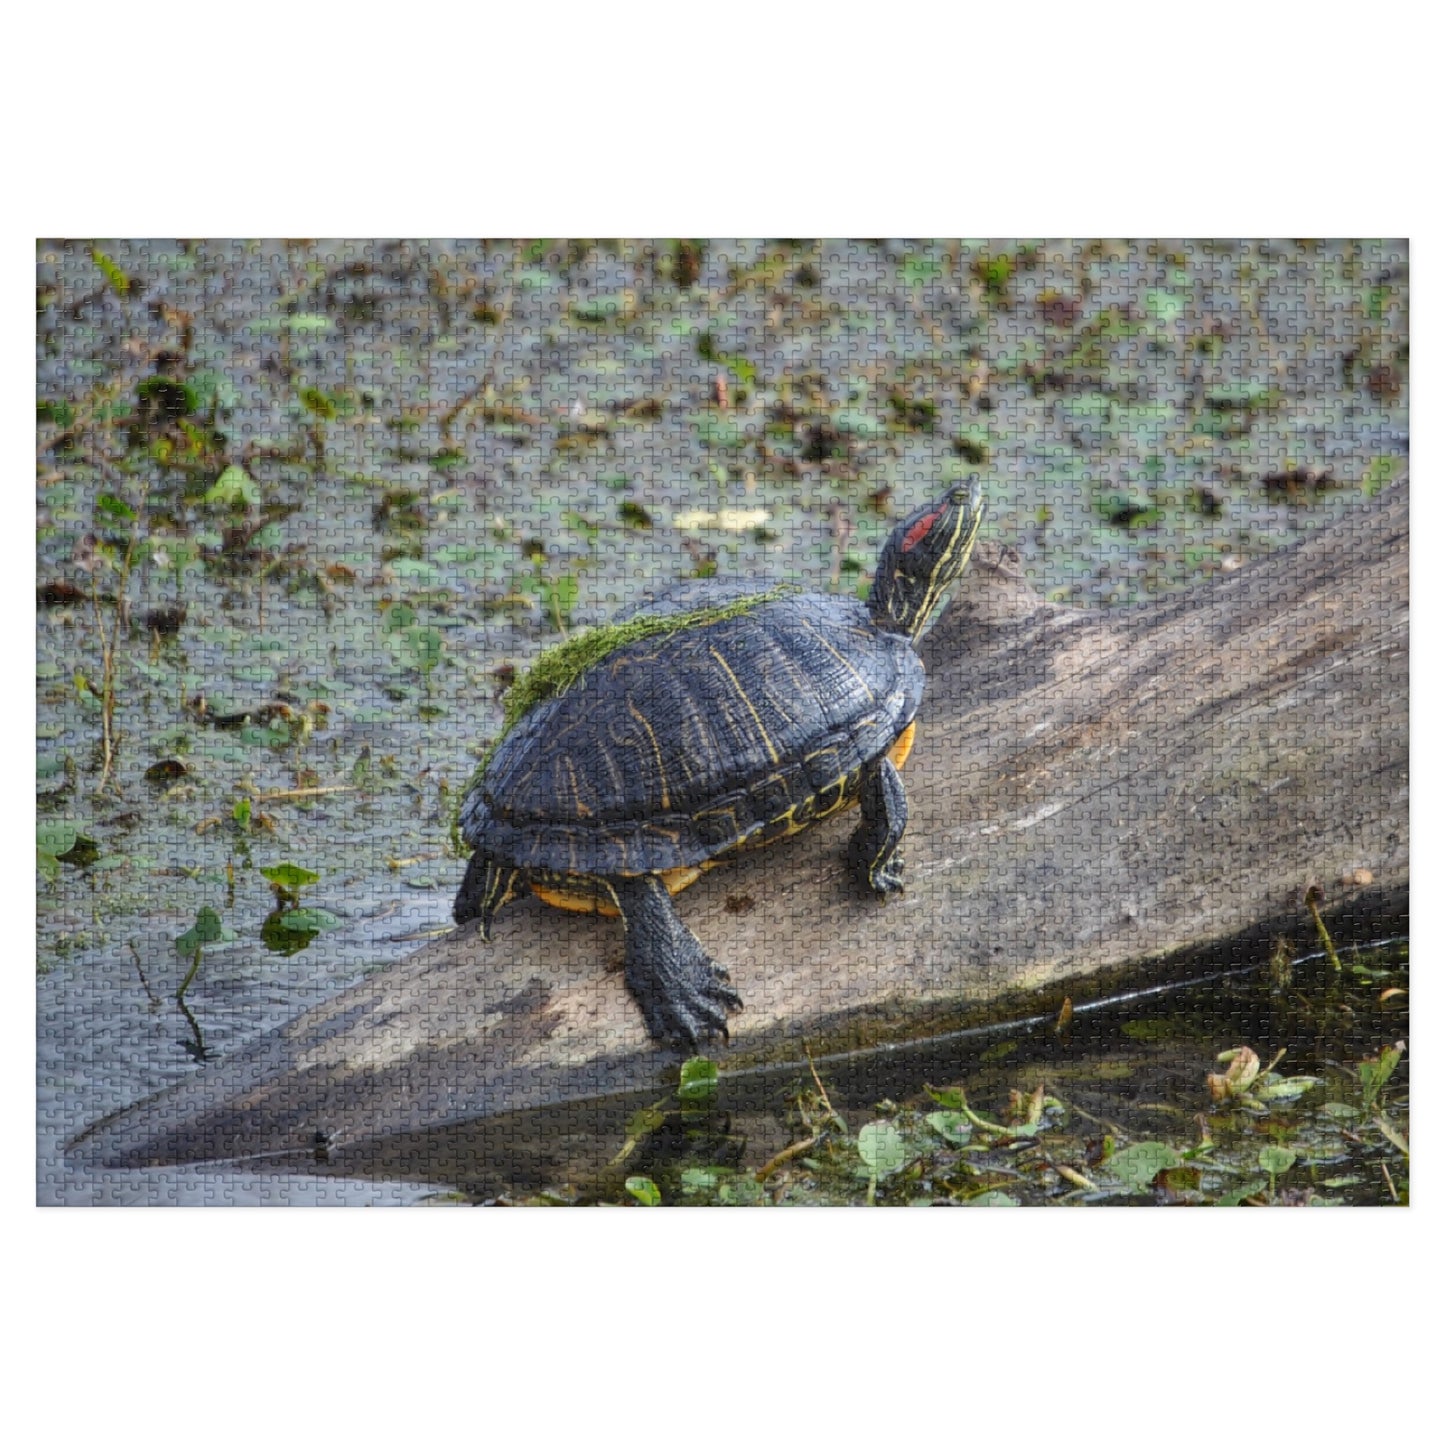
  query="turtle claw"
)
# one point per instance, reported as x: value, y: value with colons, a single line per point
x: 684, y: 1010
x: 684, y: 996
x: 888, y: 879
x: 883, y: 876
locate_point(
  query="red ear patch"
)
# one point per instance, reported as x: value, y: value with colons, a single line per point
x: 922, y: 527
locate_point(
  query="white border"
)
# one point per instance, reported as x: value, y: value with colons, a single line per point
x: 1130, y: 119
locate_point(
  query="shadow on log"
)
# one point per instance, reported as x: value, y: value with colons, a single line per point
x: 1096, y: 800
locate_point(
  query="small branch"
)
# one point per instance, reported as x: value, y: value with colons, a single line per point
x: 800, y: 1146
x: 822, y: 1092
x: 287, y: 794
x: 144, y: 981
x: 1312, y: 901
x: 189, y: 978
x: 1389, y: 1183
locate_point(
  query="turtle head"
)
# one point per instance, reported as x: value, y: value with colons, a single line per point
x: 924, y: 557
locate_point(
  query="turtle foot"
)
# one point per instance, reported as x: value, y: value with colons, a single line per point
x: 486, y: 888
x: 685, y: 1007
x: 684, y: 996
x: 885, y: 880
x: 873, y: 850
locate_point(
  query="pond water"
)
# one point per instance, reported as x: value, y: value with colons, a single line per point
x: 378, y: 477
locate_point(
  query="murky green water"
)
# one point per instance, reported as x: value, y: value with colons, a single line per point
x: 378, y: 476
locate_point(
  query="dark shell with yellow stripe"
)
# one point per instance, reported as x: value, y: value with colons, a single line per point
x: 679, y: 748
x: 726, y: 718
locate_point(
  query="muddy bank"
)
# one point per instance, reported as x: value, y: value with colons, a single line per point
x: 1092, y: 797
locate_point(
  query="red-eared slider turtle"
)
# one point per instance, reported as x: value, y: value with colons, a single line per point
x: 710, y: 719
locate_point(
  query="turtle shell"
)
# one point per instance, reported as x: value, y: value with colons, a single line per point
x: 675, y: 749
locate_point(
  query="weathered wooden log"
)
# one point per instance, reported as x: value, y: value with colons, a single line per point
x: 1095, y: 799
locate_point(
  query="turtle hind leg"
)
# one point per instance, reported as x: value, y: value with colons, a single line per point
x: 683, y: 994
x: 873, y: 850
x: 486, y: 888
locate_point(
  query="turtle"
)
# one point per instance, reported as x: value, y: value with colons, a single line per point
x: 716, y: 717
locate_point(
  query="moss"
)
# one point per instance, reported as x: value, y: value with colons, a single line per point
x: 559, y: 666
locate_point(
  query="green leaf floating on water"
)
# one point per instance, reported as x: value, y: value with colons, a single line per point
x: 207, y: 928
x: 881, y: 1148
x: 1379, y: 474
x: 1375, y: 1074
x: 117, y: 280
x: 1137, y: 1165
x: 740, y: 1189
x: 317, y: 402
x: 114, y: 507
x: 234, y: 487
x: 1275, y: 1159
x: 289, y: 875
x: 950, y: 1126
x: 992, y: 1199
x: 698, y: 1080
x: 308, y: 920
x: 56, y: 836
x: 424, y: 647
x: 643, y: 1190
x: 1282, y: 1089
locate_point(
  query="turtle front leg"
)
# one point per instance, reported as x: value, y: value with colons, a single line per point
x: 683, y: 994
x: 486, y: 888
x: 873, y: 850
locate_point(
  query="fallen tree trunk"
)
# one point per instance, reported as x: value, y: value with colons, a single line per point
x: 1094, y: 798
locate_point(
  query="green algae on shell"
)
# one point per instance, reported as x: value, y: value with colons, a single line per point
x: 559, y: 666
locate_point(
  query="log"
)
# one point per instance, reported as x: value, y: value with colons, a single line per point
x: 1096, y: 800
